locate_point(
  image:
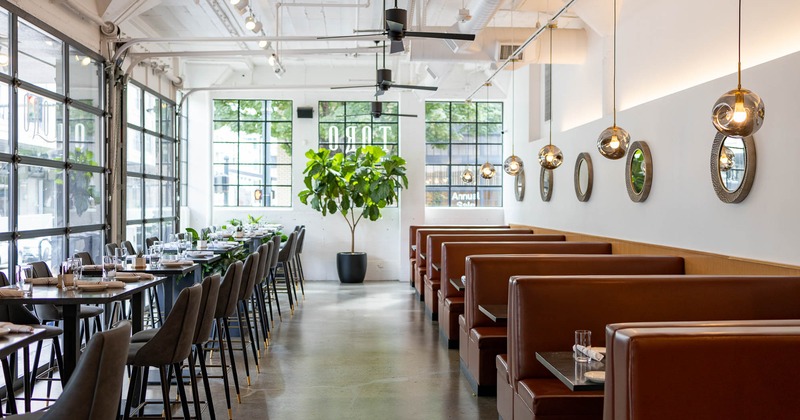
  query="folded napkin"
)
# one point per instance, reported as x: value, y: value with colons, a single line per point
x: 11, y: 293
x: 201, y: 253
x: 176, y: 263
x: 134, y: 276
x: 100, y: 266
x: 42, y: 281
x: 108, y: 284
x: 16, y: 328
x: 594, y: 355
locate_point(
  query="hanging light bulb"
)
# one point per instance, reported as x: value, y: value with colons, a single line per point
x: 513, y: 164
x: 263, y: 44
x: 726, y: 159
x: 250, y: 23
x: 467, y: 176
x: 550, y: 157
x: 487, y: 171
x: 257, y: 27
x: 613, y: 141
x: 739, y: 112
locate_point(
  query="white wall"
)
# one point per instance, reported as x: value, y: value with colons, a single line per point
x: 675, y: 60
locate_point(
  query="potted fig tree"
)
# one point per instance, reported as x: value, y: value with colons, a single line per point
x: 358, y: 186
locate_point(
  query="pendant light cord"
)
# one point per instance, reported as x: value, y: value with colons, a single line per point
x: 740, y: 46
x: 550, y: 83
x: 513, y: 96
x: 614, y: 67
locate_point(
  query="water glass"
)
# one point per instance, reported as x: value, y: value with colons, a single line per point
x: 109, y: 268
x: 582, y: 338
x: 77, y: 268
x: 24, y: 272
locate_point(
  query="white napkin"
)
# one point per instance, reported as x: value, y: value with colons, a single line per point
x: 42, y: 281
x: 92, y: 267
x: 11, y: 293
x: 126, y: 275
x: 16, y: 328
x: 594, y: 355
x: 201, y: 253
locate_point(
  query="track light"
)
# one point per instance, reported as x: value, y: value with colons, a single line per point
x: 257, y: 27
x: 263, y: 44
x: 273, y: 59
x: 250, y: 23
x: 240, y: 3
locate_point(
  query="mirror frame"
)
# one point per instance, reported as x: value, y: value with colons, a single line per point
x: 549, y: 174
x: 732, y: 197
x: 519, y: 185
x: 583, y: 196
x: 648, y: 171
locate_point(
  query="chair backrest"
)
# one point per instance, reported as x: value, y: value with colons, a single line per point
x: 111, y: 248
x: 149, y: 241
x: 173, y: 341
x: 86, y: 258
x: 287, y: 250
x: 265, y: 260
x: 128, y: 247
x: 15, y: 313
x: 249, y: 276
x: 276, y: 249
x: 40, y: 269
x: 297, y: 228
x: 301, y: 236
x: 95, y: 389
x: 208, y: 303
x: 229, y: 291
x: 4, y: 280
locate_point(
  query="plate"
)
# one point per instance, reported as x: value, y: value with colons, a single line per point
x: 598, y: 376
x: 4, y: 331
x: 92, y: 287
x: 599, y: 349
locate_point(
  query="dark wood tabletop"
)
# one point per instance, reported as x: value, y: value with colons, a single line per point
x: 495, y: 312
x: 458, y: 284
x: 436, y: 267
x: 570, y: 372
x: 14, y: 341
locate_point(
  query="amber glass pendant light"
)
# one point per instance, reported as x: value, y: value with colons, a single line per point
x: 467, y: 176
x: 739, y: 112
x: 613, y: 141
x: 550, y: 157
x: 513, y: 164
x: 487, y: 169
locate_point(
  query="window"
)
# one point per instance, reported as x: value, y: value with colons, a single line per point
x: 152, y: 182
x: 343, y: 126
x: 458, y: 137
x: 183, y: 138
x: 252, y: 155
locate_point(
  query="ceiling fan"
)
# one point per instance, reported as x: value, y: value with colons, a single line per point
x: 395, y: 21
x: 384, y: 79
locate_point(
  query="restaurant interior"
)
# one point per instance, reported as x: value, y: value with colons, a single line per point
x: 553, y: 209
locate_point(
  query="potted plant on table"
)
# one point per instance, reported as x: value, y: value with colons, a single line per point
x: 358, y: 186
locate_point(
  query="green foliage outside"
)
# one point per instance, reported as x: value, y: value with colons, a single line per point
x: 357, y: 185
x: 82, y: 193
x: 441, y: 116
x: 637, y: 171
x: 252, y: 116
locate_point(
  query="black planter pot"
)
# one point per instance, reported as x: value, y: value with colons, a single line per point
x: 351, y: 266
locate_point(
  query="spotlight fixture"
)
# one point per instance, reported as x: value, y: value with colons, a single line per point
x: 550, y: 157
x: 257, y: 28
x: 613, y: 141
x: 487, y: 171
x: 240, y: 5
x: 273, y: 59
x: 263, y: 44
x: 739, y: 112
x: 464, y: 16
x: 467, y: 176
x: 250, y: 23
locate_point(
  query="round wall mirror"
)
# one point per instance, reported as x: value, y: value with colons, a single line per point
x: 733, y: 167
x: 584, y: 177
x: 519, y: 185
x: 545, y: 183
x: 638, y: 171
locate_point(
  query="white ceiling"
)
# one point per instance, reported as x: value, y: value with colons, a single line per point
x: 312, y: 18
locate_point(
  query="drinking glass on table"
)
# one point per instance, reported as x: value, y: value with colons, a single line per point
x: 583, y: 339
x: 77, y: 268
x: 109, y: 268
x: 155, y: 254
x: 24, y: 272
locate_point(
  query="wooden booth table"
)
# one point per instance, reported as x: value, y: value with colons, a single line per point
x: 71, y: 301
x: 570, y: 372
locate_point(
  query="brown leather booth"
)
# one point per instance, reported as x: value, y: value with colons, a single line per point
x: 724, y: 369
x: 412, y: 240
x: 454, y: 255
x: 481, y: 339
x: 422, y: 249
x: 544, y: 311
x: 434, y: 258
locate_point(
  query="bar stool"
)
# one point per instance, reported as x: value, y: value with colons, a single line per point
x: 285, y: 257
x: 262, y: 277
x: 170, y: 346
x: 249, y: 272
x: 226, y: 307
x: 297, y: 264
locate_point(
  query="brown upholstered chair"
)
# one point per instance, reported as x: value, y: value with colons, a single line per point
x: 170, y: 346
x: 150, y: 241
x: 249, y: 271
x: 265, y: 260
x: 285, y: 257
x: 101, y: 367
x: 226, y: 307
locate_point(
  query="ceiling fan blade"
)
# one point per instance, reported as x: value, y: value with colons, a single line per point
x: 399, y: 115
x: 379, y: 92
x: 352, y: 87
x: 416, y: 87
x: 367, y: 37
x: 442, y: 35
x: 397, y: 46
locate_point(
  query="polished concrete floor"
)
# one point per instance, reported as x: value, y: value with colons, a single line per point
x: 363, y: 351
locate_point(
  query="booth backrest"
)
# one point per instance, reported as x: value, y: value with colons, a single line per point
x: 454, y: 255
x: 434, y: 246
x: 412, y: 232
x: 487, y: 275
x: 545, y: 311
x: 422, y: 236
x: 719, y: 372
x: 619, y: 392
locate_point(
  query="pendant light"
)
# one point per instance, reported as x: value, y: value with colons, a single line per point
x: 613, y: 141
x: 487, y: 169
x: 726, y: 159
x: 467, y: 176
x: 550, y: 157
x: 513, y: 164
x: 739, y: 112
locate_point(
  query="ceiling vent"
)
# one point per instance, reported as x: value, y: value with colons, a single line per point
x: 506, y: 50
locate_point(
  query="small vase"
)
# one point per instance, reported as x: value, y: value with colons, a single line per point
x: 202, y: 244
x: 139, y: 262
